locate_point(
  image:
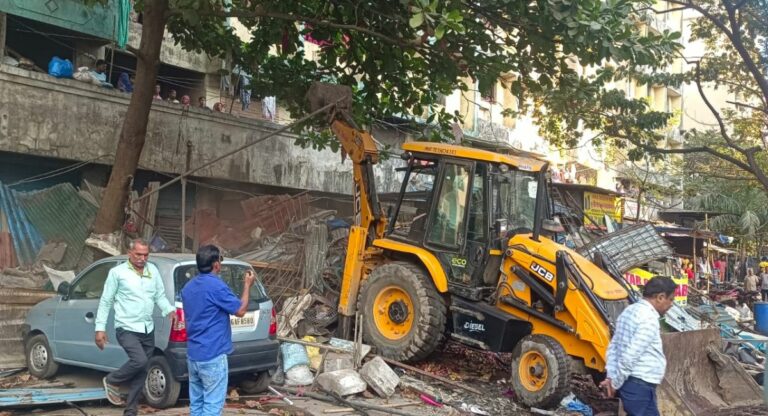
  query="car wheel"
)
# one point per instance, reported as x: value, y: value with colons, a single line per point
x: 40, y: 357
x: 161, y: 389
x: 256, y: 385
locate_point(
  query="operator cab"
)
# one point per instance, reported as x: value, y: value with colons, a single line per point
x: 462, y: 204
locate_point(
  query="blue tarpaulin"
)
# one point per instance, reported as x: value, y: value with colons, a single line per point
x: 26, y: 239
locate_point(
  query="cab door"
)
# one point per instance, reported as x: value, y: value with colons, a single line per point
x: 456, y: 210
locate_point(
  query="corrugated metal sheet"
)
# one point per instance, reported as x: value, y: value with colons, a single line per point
x: 7, y: 253
x: 14, y: 305
x: 25, y: 237
x: 60, y: 214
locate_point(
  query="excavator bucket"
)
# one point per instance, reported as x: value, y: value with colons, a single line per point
x: 700, y: 379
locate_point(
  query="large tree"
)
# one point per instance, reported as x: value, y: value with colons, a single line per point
x: 399, y: 57
x: 734, y: 34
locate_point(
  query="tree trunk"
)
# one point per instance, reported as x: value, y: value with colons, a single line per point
x: 134, y: 130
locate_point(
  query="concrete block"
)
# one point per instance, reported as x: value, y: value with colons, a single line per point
x: 335, y: 361
x: 380, y: 377
x: 342, y: 382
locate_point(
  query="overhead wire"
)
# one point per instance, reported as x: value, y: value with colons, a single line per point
x: 57, y: 172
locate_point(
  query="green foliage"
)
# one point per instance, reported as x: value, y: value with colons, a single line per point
x: 401, y: 56
x: 744, y: 207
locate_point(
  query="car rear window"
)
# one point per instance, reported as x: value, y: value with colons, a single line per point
x: 231, y: 274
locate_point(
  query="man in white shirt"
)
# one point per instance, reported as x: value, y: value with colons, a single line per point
x: 636, y: 362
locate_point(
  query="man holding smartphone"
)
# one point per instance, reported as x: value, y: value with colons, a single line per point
x: 208, y: 304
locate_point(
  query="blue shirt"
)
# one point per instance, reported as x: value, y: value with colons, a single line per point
x: 208, y: 303
x: 636, y: 350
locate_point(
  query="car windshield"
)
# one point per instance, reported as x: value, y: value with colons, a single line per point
x: 515, y: 198
x: 231, y: 274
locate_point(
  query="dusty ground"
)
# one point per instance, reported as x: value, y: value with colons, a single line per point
x: 485, y: 372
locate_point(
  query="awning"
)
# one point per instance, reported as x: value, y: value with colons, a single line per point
x: 719, y: 249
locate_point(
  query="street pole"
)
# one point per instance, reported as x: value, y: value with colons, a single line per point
x: 3, y: 27
x: 184, y: 199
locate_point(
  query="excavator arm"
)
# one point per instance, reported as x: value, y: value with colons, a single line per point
x: 361, y: 149
x: 369, y: 220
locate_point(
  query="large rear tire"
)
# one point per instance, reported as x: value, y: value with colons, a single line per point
x: 404, y: 315
x: 541, y: 373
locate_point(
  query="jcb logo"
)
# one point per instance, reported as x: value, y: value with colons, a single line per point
x: 541, y: 271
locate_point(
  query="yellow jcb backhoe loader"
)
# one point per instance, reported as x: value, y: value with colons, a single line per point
x: 463, y: 255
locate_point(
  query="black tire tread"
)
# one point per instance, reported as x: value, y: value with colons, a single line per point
x: 257, y: 385
x: 173, y: 387
x: 430, y: 329
x: 559, y: 383
x: 52, y: 368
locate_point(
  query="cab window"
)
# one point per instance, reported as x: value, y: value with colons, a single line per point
x: 447, y: 225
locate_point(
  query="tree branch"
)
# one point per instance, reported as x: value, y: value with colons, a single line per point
x: 738, y: 104
x: 757, y: 171
x: 260, y: 12
x: 676, y: 9
x: 738, y: 44
x: 718, y: 117
x: 690, y: 150
x: 704, y: 12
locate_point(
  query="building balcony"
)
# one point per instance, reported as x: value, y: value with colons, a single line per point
x: 68, y: 119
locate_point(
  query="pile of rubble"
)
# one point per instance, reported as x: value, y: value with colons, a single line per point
x: 736, y: 323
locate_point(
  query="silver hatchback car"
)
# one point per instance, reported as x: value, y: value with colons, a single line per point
x: 60, y: 330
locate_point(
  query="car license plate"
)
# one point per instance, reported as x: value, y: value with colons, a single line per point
x: 248, y: 320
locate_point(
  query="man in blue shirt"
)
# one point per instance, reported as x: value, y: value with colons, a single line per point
x: 208, y: 303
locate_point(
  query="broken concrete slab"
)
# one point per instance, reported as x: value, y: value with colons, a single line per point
x: 349, y: 346
x: 335, y: 361
x: 342, y: 382
x: 382, y: 379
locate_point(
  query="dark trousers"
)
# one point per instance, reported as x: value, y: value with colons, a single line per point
x: 638, y: 398
x: 765, y: 295
x: 139, y: 348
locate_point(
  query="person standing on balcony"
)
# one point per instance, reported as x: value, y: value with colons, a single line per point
x: 172, y: 97
x: 635, y: 362
x: 157, y: 95
x: 208, y: 303
x: 133, y: 288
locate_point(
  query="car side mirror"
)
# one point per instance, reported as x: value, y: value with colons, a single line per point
x: 63, y: 290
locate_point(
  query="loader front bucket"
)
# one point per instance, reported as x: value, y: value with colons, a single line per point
x: 700, y: 379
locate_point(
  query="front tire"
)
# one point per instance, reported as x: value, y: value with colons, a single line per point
x: 404, y: 315
x: 40, y: 357
x: 541, y: 372
x: 161, y: 389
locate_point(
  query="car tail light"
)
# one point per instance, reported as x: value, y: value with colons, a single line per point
x: 273, y: 324
x: 178, y: 327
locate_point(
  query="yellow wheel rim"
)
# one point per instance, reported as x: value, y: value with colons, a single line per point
x: 393, y: 312
x: 533, y: 371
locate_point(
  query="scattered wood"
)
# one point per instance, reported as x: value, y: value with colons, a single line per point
x: 388, y: 406
x: 354, y: 404
x: 436, y: 377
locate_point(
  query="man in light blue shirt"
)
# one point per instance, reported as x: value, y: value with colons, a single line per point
x: 133, y: 289
x: 636, y: 363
